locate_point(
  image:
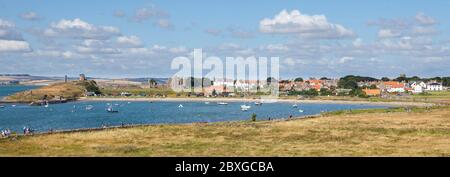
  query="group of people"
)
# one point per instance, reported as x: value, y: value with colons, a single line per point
x: 6, y: 133
x: 27, y: 131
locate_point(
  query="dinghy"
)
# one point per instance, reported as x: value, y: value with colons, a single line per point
x: 245, y: 107
x: 111, y: 110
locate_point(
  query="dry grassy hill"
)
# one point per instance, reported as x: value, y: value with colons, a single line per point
x: 69, y: 91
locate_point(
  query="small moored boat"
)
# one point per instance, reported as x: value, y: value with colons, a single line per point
x: 89, y: 107
x: 222, y: 103
x: 245, y: 107
x: 111, y: 110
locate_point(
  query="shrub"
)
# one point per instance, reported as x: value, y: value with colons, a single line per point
x: 253, y: 117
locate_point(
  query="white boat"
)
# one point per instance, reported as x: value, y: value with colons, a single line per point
x: 245, y: 107
x: 111, y: 110
x: 301, y: 110
x: 13, y: 105
x: 207, y: 102
x: 180, y: 106
x: 258, y: 103
x: 294, y: 105
x: 2, y: 106
x: 222, y: 103
x: 46, y: 105
x: 89, y: 107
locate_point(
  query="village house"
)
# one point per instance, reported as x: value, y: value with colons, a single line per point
x: 315, y: 84
x: 417, y: 87
x: 209, y: 91
x: 372, y: 92
x: 392, y: 87
x: 434, y: 87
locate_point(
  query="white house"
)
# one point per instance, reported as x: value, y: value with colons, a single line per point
x: 418, y: 87
x: 434, y: 87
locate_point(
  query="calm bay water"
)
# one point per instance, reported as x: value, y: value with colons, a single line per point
x: 75, y: 115
x: 6, y: 90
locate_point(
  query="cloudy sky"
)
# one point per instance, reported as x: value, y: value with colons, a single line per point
x: 140, y: 38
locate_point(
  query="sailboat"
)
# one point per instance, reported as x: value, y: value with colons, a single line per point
x: 46, y: 104
x: 111, y: 110
x: 180, y: 106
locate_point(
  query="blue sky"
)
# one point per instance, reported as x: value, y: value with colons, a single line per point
x: 140, y: 38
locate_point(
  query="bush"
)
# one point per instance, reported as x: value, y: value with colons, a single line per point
x: 253, y: 117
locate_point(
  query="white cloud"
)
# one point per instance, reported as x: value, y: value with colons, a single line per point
x: 424, y: 19
x: 308, y: 26
x: 164, y: 23
x: 10, y: 39
x: 276, y: 47
x: 146, y: 13
x: 180, y: 49
x: 78, y: 28
x: 129, y: 40
x: 14, y: 46
x: 388, y: 33
x: 422, y: 30
x: 289, y: 61
x: 8, y: 31
x: 345, y: 59
x: 29, y: 16
x: 229, y: 46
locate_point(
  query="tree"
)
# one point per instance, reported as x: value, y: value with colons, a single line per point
x: 324, y: 78
x: 253, y: 117
x: 298, y: 79
x: 358, y: 92
x: 385, y: 79
x: 373, y: 86
x: 446, y: 81
x: 347, y: 84
x: 324, y: 91
x: 401, y: 79
x: 271, y: 79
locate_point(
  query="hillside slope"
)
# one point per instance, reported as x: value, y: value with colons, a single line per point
x: 59, y: 91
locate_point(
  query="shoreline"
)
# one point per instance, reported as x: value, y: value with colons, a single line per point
x: 396, y: 104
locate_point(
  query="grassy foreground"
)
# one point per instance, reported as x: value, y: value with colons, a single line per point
x: 382, y: 132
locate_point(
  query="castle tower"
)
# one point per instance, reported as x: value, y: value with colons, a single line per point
x: 82, y: 77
